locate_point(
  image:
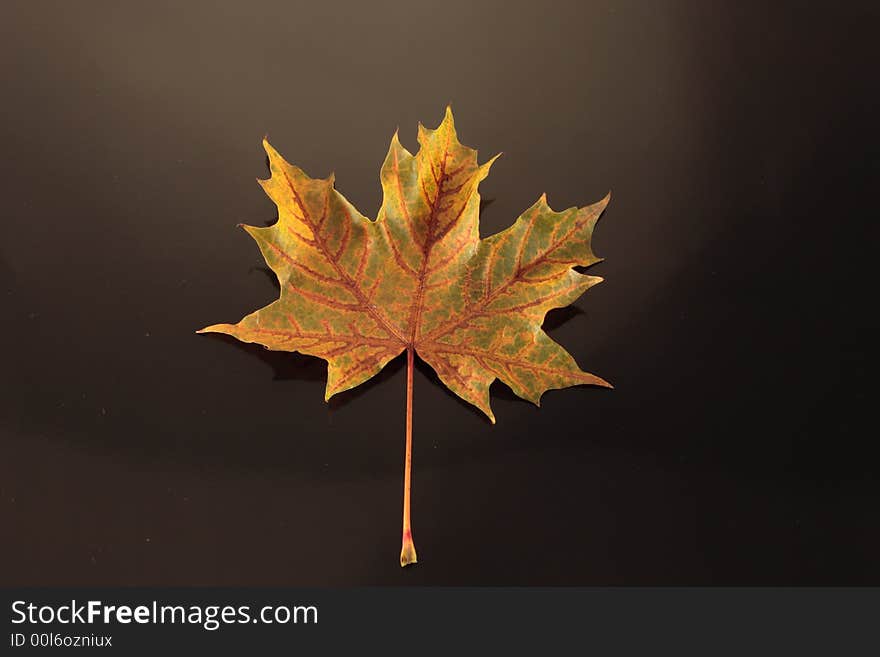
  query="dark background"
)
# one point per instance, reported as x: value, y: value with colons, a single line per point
x: 738, y: 446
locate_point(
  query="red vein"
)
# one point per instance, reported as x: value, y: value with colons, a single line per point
x: 324, y: 211
x: 490, y: 264
x: 478, y: 309
x: 371, y: 293
x: 324, y: 301
x: 457, y: 248
x: 452, y: 371
x: 319, y: 337
x: 293, y: 322
x: 438, y: 347
x: 507, y: 368
x: 416, y: 309
x: 544, y: 279
x: 346, y: 236
x: 452, y: 222
x: 433, y: 173
x: 523, y: 243
x: 320, y: 243
x: 403, y: 208
x: 301, y: 238
x: 359, y: 366
x: 363, y: 261
x: 308, y: 270
x: 425, y: 194
x: 398, y: 256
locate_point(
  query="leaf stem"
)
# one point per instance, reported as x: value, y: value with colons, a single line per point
x: 408, y: 549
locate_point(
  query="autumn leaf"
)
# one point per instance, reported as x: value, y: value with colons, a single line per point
x: 419, y: 279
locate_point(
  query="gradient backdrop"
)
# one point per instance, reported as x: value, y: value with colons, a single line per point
x: 739, y: 140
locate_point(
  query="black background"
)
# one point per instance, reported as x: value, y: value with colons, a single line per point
x: 737, y: 447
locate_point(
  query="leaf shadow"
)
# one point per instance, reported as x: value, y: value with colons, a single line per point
x: 390, y: 370
x: 286, y: 365
x: 294, y: 366
x: 557, y: 317
x: 268, y: 273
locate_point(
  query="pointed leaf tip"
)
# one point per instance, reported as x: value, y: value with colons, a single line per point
x: 602, y: 383
x: 488, y: 163
x: 448, y: 118
x: 213, y: 328
x: 270, y: 149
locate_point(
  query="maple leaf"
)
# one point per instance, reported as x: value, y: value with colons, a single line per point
x: 419, y: 279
